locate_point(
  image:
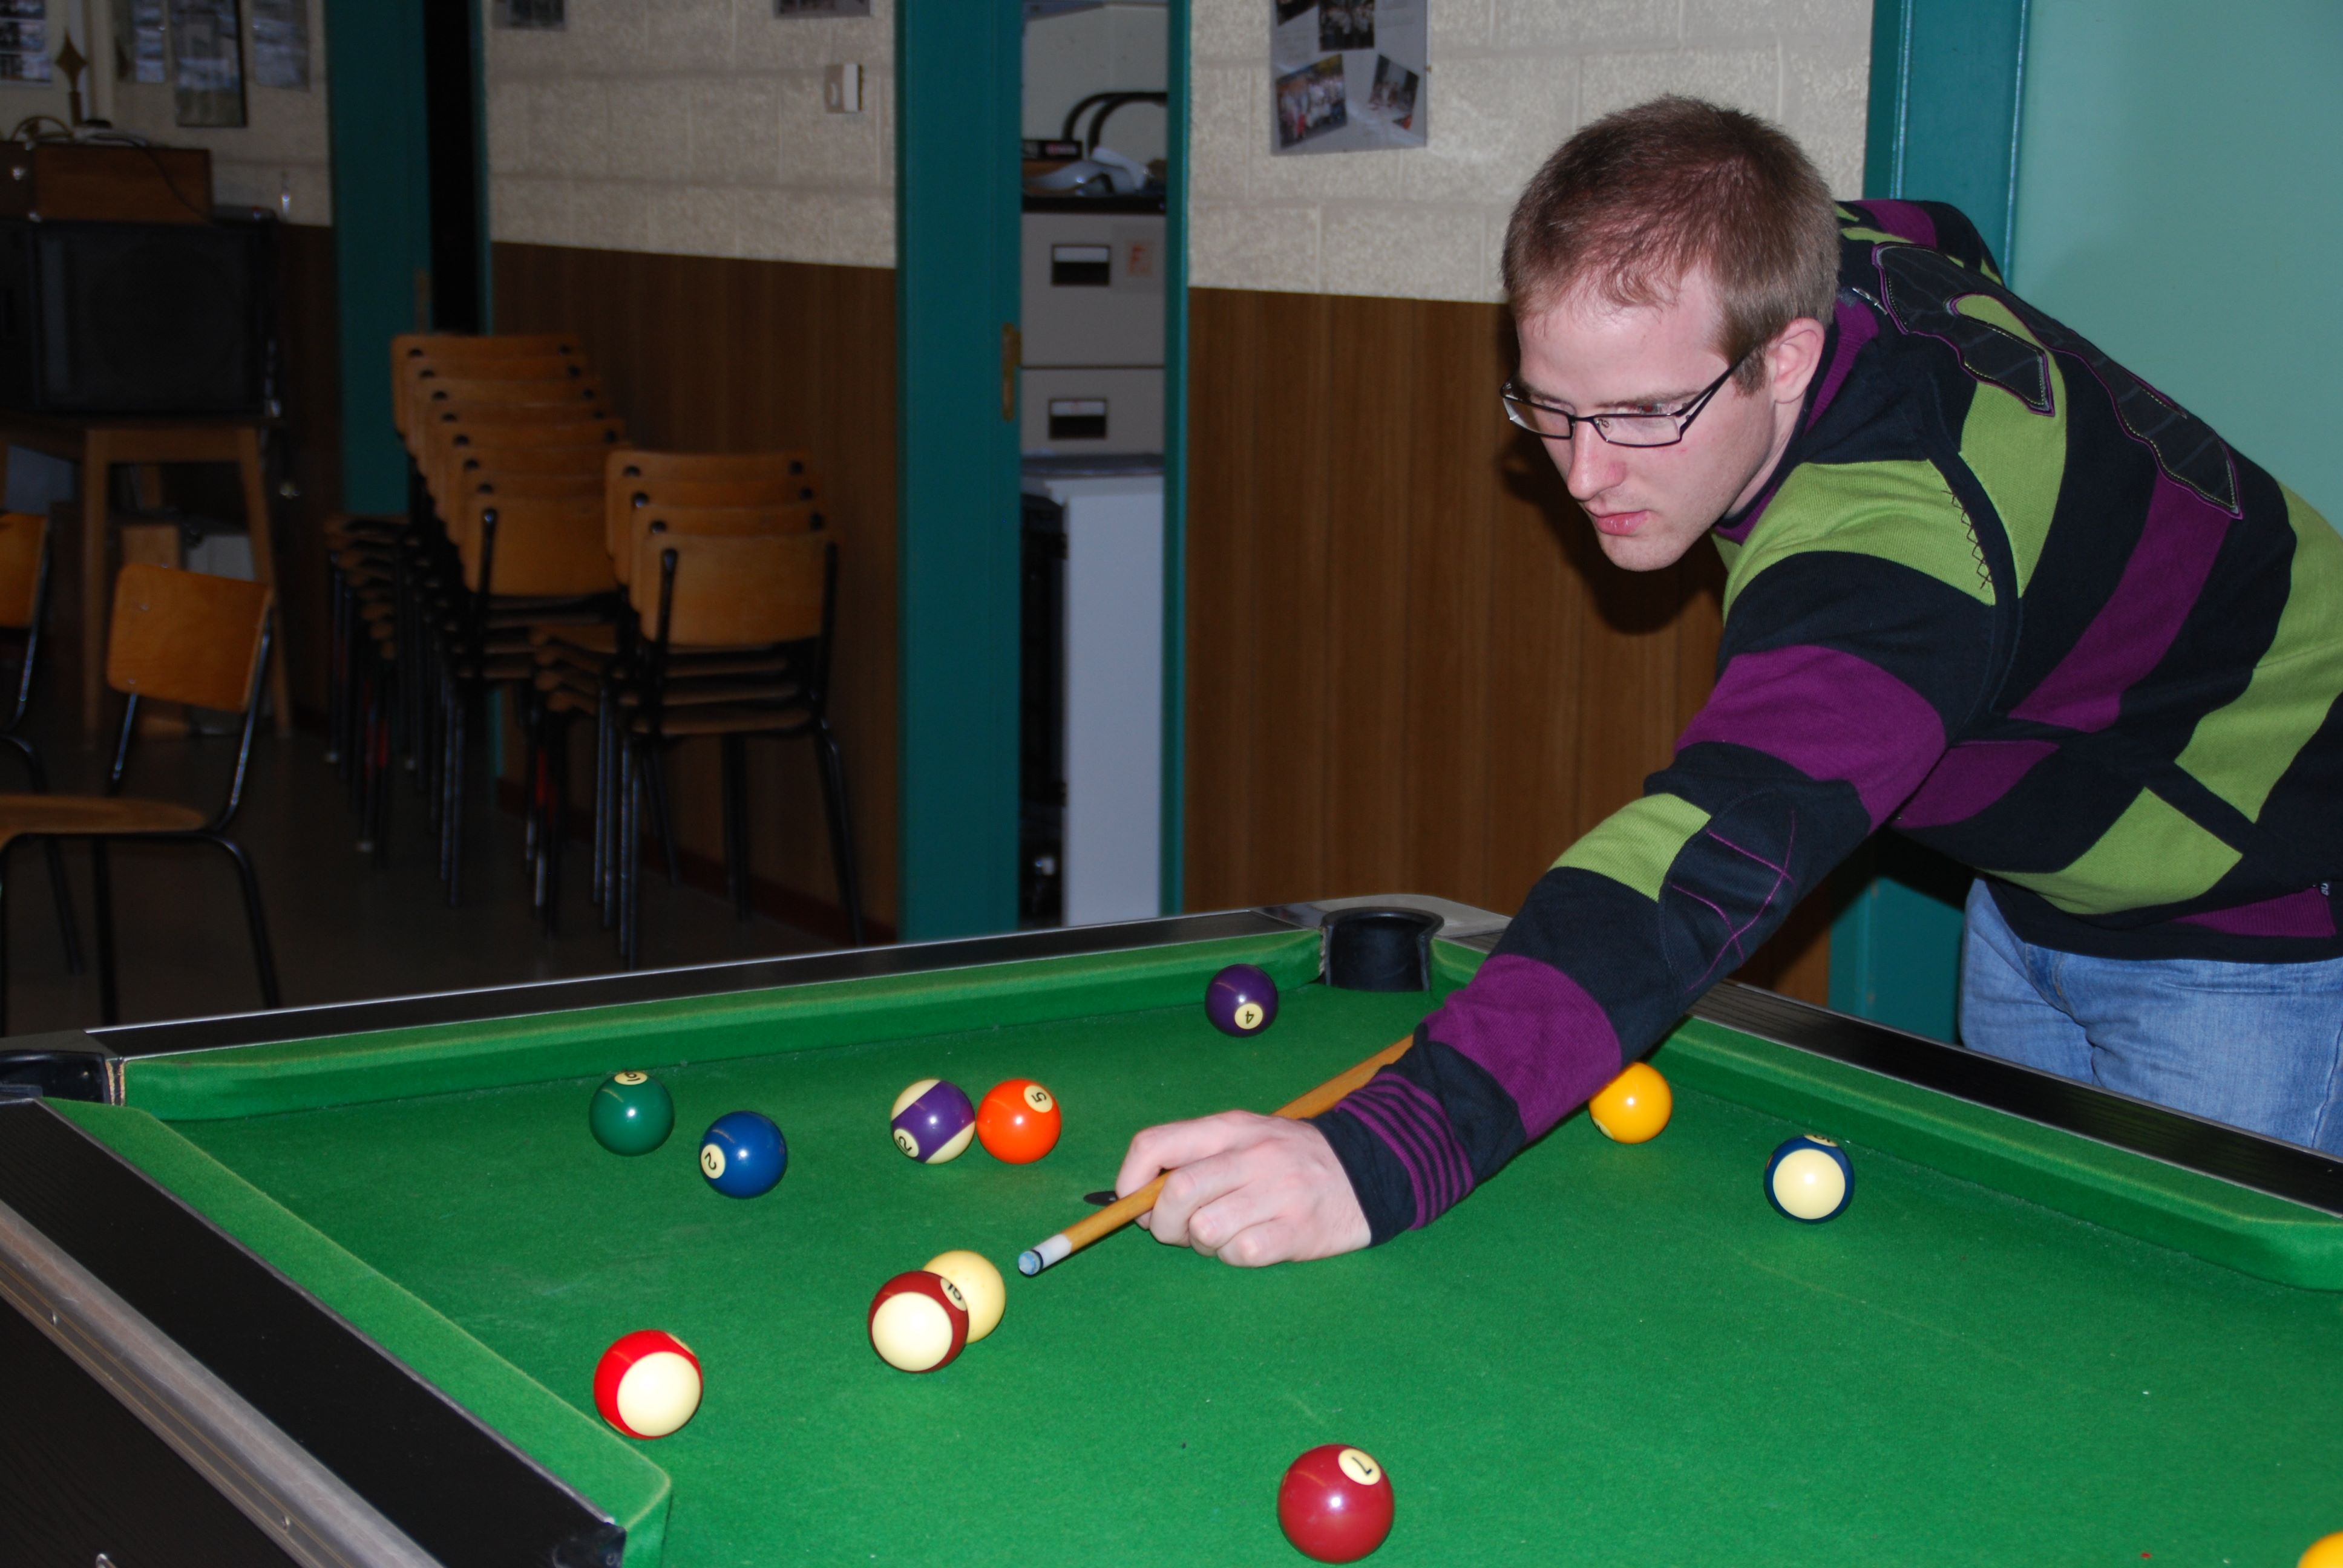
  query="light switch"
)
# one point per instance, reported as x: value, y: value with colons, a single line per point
x: 841, y: 90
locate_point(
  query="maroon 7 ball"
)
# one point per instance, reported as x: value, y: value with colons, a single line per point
x: 1242, y: 1000
x: 1335, y: 1504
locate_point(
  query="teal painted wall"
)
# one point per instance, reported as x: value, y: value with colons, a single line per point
x: 958, y: 101
x: 382, y: 228
x: 2178, y: 203
x: 1944, y: 121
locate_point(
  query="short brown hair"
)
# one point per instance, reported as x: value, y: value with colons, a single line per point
x: 1633, y: 203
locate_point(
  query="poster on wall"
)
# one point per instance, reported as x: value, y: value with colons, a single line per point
x: 206, y: 62
x: 532, y: 15
x: 821, y: 8
x: 140, y: 51
x: 280, y: 43
x: 1346, y: 75
x: 24, y: 40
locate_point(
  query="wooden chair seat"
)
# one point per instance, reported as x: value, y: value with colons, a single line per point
x: 78, y: 816
x: 721, y: 719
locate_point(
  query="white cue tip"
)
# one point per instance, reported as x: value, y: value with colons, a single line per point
x: 1056, y: 1250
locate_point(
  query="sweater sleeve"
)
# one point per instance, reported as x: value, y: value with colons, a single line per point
x: 1842, y: 675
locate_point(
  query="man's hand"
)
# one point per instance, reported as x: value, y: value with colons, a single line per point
x: 1247, y: 1190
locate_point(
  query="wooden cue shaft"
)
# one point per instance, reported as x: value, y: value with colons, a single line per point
x: 1124, y: 1211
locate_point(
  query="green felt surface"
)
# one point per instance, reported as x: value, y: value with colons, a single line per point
x: 1608, y: 1355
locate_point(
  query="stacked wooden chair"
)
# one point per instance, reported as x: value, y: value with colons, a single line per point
x: 728, y: 631
x: 508, y: 438
x: 175, y: 637
x: 660, y: 596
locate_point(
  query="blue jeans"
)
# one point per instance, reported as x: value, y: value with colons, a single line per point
x: 2257, y: 1046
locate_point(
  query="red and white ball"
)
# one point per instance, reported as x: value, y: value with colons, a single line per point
x: 919, y: 1321
x: 648, y: 1383
x: 1335, y: 1504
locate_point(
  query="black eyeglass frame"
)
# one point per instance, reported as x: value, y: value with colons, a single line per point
x: 1515, y: 399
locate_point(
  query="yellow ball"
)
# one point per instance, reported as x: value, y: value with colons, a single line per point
x: 2327, y: 1551
x: 1634, y: 1106
x: 979, y: 1284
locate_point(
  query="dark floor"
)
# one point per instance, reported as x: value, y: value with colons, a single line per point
x: 344, y: 929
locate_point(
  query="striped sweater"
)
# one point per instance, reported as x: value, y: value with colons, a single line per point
x: 1999, y: 595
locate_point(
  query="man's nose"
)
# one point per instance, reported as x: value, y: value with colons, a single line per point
x: 1589, y: 465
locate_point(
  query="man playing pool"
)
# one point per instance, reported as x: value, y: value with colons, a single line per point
x: 1983, y: 586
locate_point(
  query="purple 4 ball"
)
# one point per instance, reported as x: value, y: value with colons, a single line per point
x: 1242, y: 1000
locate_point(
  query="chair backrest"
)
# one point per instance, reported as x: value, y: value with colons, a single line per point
x: 24, y: 546
x: 734, y: 590
x: 184, y: 636
x: 447, y: 350
x: 546, y: 548
x: 640, y: 463
x: 768, y: 517
x: 418, y: 379
x: 454, y: 452
x: 639, y: 478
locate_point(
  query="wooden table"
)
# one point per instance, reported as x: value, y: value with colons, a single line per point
x: 97, y: 444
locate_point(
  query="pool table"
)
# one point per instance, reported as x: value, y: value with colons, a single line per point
x: 329, y: 1286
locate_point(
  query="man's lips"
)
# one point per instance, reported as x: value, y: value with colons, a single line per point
x: 1618, y: 524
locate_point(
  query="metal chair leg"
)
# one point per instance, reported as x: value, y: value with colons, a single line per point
x: 263, y: 957
x: 654, y: 771
x: 736, y: 823
x: 841, y: 826
x: 68, y: 928
x: 102, y: 886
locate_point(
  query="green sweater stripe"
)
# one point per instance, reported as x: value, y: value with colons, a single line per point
x: 2017, y: 455
x: 1901, y: 511
x: 1636, y: 844
x: 2241, y: 751
x: 2151, y: 854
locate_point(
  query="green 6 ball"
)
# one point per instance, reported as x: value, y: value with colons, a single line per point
x: 632, y: 1113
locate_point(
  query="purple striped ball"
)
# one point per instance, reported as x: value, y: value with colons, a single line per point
x: 933, y: 1122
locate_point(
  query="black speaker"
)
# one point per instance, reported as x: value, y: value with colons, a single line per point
x: 136, y: 318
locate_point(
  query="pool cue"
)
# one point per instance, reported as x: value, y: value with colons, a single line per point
x: 1118, y: 1214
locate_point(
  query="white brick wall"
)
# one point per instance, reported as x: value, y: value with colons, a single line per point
x: 1509, y: 80
x: 693, y: 128
x: 280, y: 151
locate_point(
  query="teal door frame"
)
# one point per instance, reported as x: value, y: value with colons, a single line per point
x: 1946, y: 86
x: 959, y: 100
x: 377, y: 119
x: 382, y: 228
x: 1174, y: 878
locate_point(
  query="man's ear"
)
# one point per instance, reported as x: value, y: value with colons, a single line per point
x: 1792, y: 359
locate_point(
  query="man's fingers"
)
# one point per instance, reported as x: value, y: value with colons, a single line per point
x: 1176, y: 1144
x: 1191, y: 1187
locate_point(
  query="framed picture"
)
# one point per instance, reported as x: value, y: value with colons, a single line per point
x: 207, y: 62
x: 532, y: 15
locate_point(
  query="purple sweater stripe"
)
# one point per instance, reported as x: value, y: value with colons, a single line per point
x: 1903, y: 219
x: 1829, y: 715
x: 1856, y: 326
x: 2304, y: 914
x: 1418, y: 1134
x: 1433, y: 1119
x: 1535, y: 1030
x: 1972, y: 777
x: 2126, y: 639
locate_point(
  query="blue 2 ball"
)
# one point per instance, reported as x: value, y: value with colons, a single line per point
x: 743, y: 1154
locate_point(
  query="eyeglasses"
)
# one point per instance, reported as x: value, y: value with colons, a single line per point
x: 1661, y: 428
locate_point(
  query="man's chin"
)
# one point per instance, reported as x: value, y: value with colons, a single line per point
x: 1643, y: 552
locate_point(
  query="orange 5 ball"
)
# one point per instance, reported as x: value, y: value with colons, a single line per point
x: 1017, y: 1122
x: 1634, y: 1106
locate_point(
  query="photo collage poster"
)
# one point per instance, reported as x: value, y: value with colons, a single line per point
x: 208, y: 63
x: 141, y: 51
x: 1347, y: 76
x: 24, y: 40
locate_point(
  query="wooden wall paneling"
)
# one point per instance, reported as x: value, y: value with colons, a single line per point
x: 1449, y: 717
x: 1409, y: 666
x: 1297, y: 432
x: 1224, y: 680
x: 1362, y: 811
x: 717, y: 354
